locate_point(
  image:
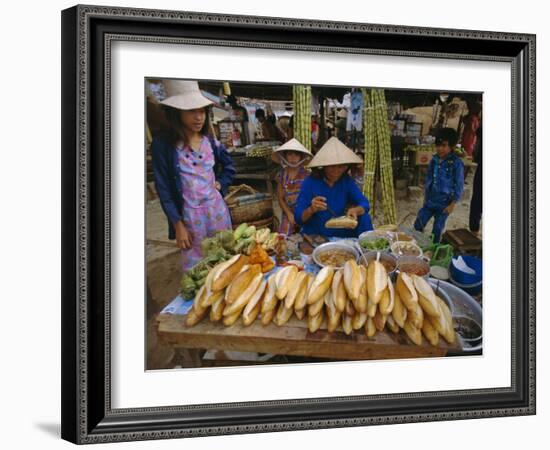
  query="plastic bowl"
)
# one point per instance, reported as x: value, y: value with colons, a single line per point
x: 472, y: 289
x: 465, y: 278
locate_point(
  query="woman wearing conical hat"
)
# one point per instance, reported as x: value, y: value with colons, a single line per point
x: 192, y: 171
x: 330, y: 192
x: 292, y: 156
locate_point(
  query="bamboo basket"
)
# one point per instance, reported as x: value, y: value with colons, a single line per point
x: 248, y: 205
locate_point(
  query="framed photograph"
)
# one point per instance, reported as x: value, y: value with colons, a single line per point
x: 276, y: 224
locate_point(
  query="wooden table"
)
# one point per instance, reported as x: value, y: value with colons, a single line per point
x: 294, y: 339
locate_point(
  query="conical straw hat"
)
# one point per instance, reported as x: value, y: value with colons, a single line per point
x: 292, y: 145
x: 184, y: 95
x: 334, y: 152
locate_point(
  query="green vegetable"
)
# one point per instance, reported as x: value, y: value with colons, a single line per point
x: 239, y: 231
x: 375, y: 244
x: 249, y: 232
x: 226, y: 239
x: 188, y: 286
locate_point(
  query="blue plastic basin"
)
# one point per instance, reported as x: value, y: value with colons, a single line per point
x: 465, y: 278
x: 472, y: 289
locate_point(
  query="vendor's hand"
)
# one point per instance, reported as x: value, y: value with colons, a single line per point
x: 318, y: 204
x: 353, y: 213
x: 183, y: 237
x: 218, y: 186
x: 449, y: 209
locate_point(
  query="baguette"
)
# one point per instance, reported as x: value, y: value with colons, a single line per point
x: 284, y: 279
x: 241, y: 282
x: 268, y: 316
x: 352, y: 279
x: 298, y: 284
x: 283, y: 315
x: 314, y: 322
x: 416, y: 316
x: 407, y: 291
x: 301, y: 297
x: 270, y: 300
x: 245, y: 296
x: 347, y: 324
x: 430, y: 332
x: 250, y: 316
x: 228, y: 271
x: 380, y: 320
x: 361, y: 304
x: 359, y: 320
x: 339, y: 290
x: 392, y: 324
x: 216, y: 311
x: 342, y: 222
x: 426, y: 296
x: 413, y: 333
x: 320, y: 285
x: 399, y: 312
x: 370, y: 328
x: 256, y: 298
x: 377, y: 280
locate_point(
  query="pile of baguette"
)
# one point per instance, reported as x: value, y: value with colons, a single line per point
x: 354, y: 297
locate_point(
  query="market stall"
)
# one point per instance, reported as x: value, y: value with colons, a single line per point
x: 375, y: 297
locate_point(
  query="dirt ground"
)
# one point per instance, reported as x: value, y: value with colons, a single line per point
x: 163, y: 263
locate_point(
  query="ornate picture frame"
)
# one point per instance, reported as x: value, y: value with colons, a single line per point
x: 87, y: 35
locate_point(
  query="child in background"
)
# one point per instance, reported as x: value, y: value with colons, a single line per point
x: 443, y: 185
x: 192, y: 171
x: 292, y: 156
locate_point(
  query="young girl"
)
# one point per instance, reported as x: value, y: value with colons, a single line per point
x: 292, y: 157
x: 192, y: 171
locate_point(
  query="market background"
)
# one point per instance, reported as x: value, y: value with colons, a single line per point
x: 31, y: 227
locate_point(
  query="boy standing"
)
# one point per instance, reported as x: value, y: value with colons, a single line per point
x: 444, y: 184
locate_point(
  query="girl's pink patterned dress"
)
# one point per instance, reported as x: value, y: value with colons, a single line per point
x: 204, y: 210
x: 291, y: 190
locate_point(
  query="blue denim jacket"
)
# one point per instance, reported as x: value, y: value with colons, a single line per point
x: 444, y: 180
x: 168, y: 181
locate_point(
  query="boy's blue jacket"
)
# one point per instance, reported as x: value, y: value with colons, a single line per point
x: 444, y: 182
x: 168, y: 182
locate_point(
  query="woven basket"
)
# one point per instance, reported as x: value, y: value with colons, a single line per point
x: 250, y: 206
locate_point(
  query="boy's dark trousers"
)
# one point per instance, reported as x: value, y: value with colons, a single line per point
x: 433, y: 207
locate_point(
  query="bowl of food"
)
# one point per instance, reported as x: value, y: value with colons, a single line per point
x: 388, y: 260
x: 401, y: 249
x: 374, y: 243
x: 468, y: 328
x: 334, y: 254
x: 413, y: 265
x: 403, y: 237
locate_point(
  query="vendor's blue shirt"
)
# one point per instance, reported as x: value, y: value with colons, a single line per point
x: 444, y: 180
x: 344, y: 193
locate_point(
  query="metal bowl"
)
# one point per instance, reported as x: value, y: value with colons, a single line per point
x: 331, y: 246
x: 469, y: 329
x: 384, y: 257
x: 421, y: 262
x: 397, y: 247
x: 464, y: 305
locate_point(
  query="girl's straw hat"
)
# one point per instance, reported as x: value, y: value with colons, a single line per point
x: 334, y: 152
x: 293, y: 145
x: 184, y: 95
